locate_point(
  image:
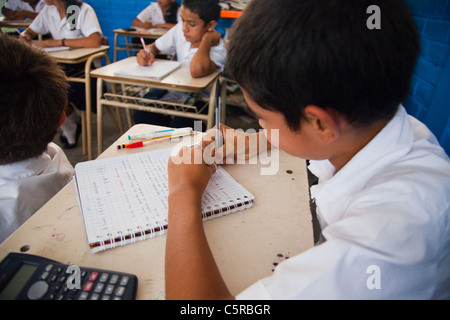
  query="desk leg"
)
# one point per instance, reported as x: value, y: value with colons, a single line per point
x: 128, y: 46
x: 211, y: 108
x: 88, y: 111
x: 115, y: 47
x: 99, y: 115
x: 223, y: 100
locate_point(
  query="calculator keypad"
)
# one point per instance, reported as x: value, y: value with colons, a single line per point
x: 95, y: 285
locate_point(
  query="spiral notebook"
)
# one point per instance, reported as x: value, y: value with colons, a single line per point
x: 124, y: 199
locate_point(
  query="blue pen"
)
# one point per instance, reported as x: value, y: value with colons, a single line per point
x: 157, y: 134
x: 218, y: 111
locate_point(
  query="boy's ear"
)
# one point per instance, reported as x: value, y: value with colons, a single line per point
x: 211, y: 25
x: 62, y: 120
x: 324, y: 121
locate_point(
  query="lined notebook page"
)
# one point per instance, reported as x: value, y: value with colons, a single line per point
x: 128, y: 194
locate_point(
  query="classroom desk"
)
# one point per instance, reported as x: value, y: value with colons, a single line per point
x: 14, y: 24
x: 131, y: 47
x: 246, y: 244
x: 86, y: 55
x: 129, y: 98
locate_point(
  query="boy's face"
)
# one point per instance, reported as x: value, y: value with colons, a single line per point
x: 193, y: 27
x: 297, y: 143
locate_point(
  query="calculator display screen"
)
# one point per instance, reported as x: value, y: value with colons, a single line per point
x: 17, y: 282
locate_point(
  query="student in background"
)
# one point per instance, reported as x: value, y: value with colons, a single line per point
x: 33, y: 93
x: 333, y: 89
x: 85, y: 32
x: 22, y: 9
x: 194, y: 41
x: 160, y: 14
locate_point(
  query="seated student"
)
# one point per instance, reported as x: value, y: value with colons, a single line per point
x: 161, y: 14
x: 22, y: 9
x: 333, y: 89
x: 33, y: 93
x: 194, y: 41
x: 85, y: 32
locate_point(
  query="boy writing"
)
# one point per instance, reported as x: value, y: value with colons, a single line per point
x: 33, y: 93
x: 333, y: 88
x: 194, y: 41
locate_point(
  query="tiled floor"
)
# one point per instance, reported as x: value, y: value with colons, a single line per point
x: 237, y: 117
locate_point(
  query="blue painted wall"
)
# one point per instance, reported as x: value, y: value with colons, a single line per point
x: 429, y: 99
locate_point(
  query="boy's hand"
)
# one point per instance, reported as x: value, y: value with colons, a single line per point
x: 236, y: 144
x: 212, y: 38
x: 188, y: 172
x: 145, y: 59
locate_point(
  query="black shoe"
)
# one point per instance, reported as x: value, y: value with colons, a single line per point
x: 66, y: 144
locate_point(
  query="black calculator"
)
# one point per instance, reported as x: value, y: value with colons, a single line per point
x: 31, y: 277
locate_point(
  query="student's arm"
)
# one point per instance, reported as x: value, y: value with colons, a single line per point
x: 190, y: 268
x: 23, y: 14
x: 165, y: 25
x: 93, y: 41
x: 8, y: 13
x: 27, y: 35
x: 138, y: 23
x: 201, y: 64
x: 145, y: 59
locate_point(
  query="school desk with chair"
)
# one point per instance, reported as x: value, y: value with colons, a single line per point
x: 133, y: 83
x: 247, y: 244
x: 88, y: 56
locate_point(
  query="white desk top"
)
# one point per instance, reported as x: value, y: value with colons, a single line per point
x: 245, y: 244
x: 180, y: 79
x: 76, y: 55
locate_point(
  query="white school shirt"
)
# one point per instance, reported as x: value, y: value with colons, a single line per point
x: 174, y: 42
x: 49, y: 21
x: 154, y: 14
x: 27, y: 185
x: 385, y: 218
x: 19, y: 5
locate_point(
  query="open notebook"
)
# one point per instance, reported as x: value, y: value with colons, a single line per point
x: 158, y: 70
x: 124, y: 199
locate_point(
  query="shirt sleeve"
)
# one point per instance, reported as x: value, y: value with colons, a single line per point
x: 167, y: 42
x: 12, y: 5
x: 218, y: 55
x: 39, y: 24
x: 88, y: 22
x: 145, y: 14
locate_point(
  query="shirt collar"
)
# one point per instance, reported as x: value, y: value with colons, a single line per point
x: 333, y: 190
x: 23, y: 169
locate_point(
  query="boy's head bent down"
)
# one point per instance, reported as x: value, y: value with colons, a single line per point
x: 33, y: 94
x: 322, y: 53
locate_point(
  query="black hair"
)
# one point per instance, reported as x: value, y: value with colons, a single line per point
x: 207, y: 10
x: 172, y: 13
x: 323, y: 53
x: 69, y: 3
x: 33, y: 94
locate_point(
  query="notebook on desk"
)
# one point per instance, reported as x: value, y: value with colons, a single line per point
x: 124, y: 199
x: 158, y: 70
